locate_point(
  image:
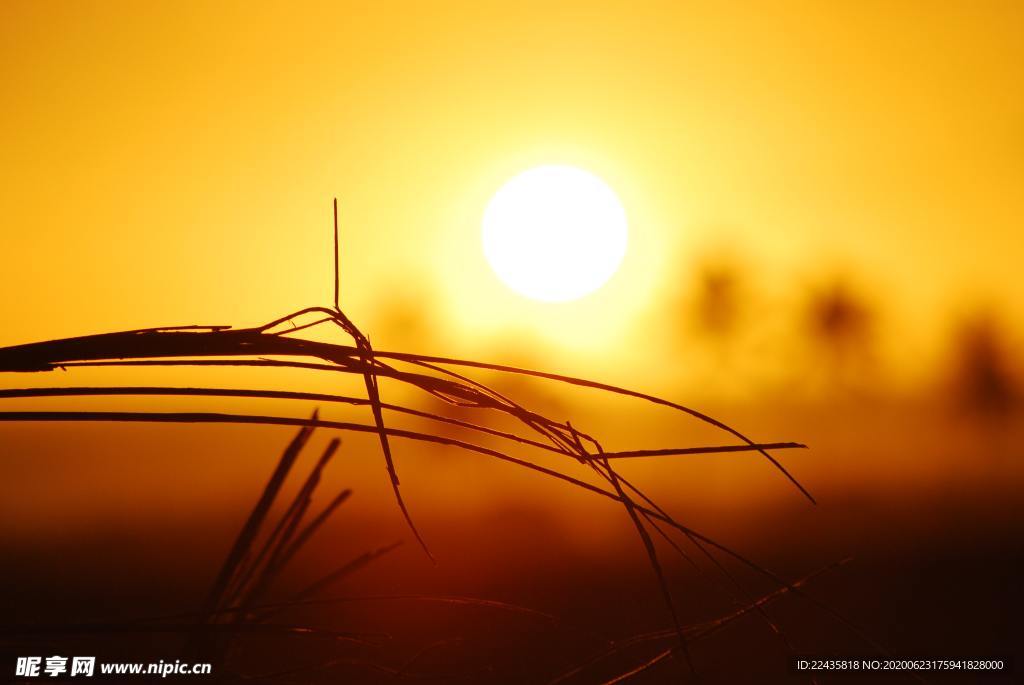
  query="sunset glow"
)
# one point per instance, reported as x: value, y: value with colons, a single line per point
x: 512, y: 342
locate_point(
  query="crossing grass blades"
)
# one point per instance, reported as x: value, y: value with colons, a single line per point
x: 237, y: 605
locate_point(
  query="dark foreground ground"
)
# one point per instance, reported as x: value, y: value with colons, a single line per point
x: 955, y: 596
x: 935, y: 569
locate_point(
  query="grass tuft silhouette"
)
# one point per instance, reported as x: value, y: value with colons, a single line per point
x: 237, y: 598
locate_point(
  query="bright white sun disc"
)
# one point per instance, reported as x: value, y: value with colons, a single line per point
x: 554, y: 233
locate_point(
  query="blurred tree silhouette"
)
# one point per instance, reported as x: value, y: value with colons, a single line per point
x: 840, y: 324
x: 405, y: 313
x: 983, y: 378
x: 719, y: 303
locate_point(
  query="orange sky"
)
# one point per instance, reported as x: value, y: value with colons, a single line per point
x: 170, y: 163
x: 174, y: 163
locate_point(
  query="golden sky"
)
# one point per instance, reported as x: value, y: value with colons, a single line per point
x: 173, y: 163
x: 170, y: 163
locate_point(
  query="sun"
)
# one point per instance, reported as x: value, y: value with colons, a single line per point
x: 555, y: 233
